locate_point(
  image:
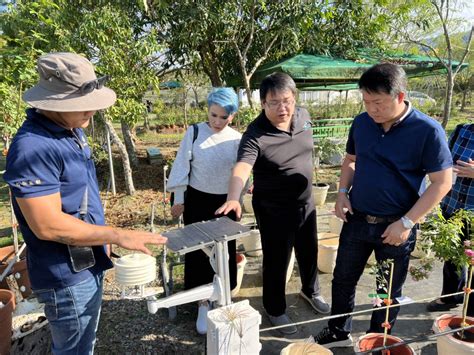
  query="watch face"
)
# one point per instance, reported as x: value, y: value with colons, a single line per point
x: 406, y: 223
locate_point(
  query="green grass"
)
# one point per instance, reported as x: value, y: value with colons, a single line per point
x: 458, y: 117
x: 4, y: 241
x: 160, y: 138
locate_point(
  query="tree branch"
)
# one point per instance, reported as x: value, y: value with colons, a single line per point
x: 466, y: 51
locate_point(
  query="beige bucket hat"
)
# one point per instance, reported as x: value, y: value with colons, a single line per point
x: 68, y: 83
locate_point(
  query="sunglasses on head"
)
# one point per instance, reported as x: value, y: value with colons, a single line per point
x: 90, y: 85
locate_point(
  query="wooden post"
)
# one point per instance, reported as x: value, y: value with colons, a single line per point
x: 111, y: 163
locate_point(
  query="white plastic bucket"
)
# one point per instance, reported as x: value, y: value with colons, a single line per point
x: 300, y: 348
x: 327, y: 235
x: 247, y: 203
x: 335, y: 225
x: 320, y: 191
x: 291, y: 265
x: 252, y: 244
x: 327, y: 254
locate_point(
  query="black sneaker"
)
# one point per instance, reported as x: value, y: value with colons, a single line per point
x: 434, y: 306
x: 330, y: 340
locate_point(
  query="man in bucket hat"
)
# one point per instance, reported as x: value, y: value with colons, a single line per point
x: 56, y: 200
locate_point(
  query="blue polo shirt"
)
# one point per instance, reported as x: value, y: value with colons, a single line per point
x: 44, y: 159
x: 391, y: 166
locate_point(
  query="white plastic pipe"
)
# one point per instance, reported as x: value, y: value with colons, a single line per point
x: 211, y: 292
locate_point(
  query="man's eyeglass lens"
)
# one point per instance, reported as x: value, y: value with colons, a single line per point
x: 276, y: 104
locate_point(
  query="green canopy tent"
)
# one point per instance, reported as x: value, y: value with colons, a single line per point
x: 170, y: 85
x: 317, y: 72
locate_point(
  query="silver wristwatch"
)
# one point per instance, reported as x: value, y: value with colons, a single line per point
x: 407, y: 222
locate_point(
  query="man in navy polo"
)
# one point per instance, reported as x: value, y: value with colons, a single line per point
x: 390, y: 150
x: 56, y: 200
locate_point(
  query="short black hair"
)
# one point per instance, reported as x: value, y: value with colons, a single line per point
x: 276, y: 82
x: 385, y: 78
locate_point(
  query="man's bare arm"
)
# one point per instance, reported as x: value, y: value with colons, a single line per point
x: 238, y: 179
x: 47, y: 221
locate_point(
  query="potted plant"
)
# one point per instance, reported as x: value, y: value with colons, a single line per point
x: 320, y: 189
x: 331, y: 150
x: 445, y: 238
x: 382, y: 296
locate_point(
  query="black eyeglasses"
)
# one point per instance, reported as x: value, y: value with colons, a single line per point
x: 90, y: 85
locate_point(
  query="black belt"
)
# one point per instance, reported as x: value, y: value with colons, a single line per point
x: 376, y: 219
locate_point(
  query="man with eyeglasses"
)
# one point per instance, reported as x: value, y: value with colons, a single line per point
x: 277, y: 146
x: 57, y: 203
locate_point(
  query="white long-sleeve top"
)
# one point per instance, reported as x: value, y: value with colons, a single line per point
x: 210, y: 158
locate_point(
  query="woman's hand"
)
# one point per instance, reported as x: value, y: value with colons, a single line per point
x: 177, y: 210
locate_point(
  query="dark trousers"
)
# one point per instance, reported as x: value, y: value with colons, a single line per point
x: 357, y: 241
x: 200, y: 206
x: 454, y: 280
x: 283, y: 227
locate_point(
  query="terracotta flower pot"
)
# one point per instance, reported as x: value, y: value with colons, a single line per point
x: 6, y: 254
x: 375, y: 340
x: 451, y: 343
x: 7, y: 298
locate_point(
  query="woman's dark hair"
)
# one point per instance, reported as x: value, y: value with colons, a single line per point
x: 276, y: 82
x: 385, y: 78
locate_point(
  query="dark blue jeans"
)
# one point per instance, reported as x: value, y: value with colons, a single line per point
x: 73, y: 314
x: 357, y: 241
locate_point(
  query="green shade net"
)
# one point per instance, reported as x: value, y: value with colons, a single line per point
x: 317, y: 72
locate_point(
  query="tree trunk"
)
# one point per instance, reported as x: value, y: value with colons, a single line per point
x: 127, y: 170
x: 146, y: 122
x: 449, y: 97
x: 248, y: 91
x: 463, y: 101
x: 209, y: 66
x: 196, y: 97
x: 129, y: 144
x: 185, y: 96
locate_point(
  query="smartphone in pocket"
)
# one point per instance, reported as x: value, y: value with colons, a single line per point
x: 81, y: 257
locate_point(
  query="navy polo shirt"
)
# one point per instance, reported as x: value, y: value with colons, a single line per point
x: 391, y: 166
x: 282, y: 161
x: 44, y: 159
